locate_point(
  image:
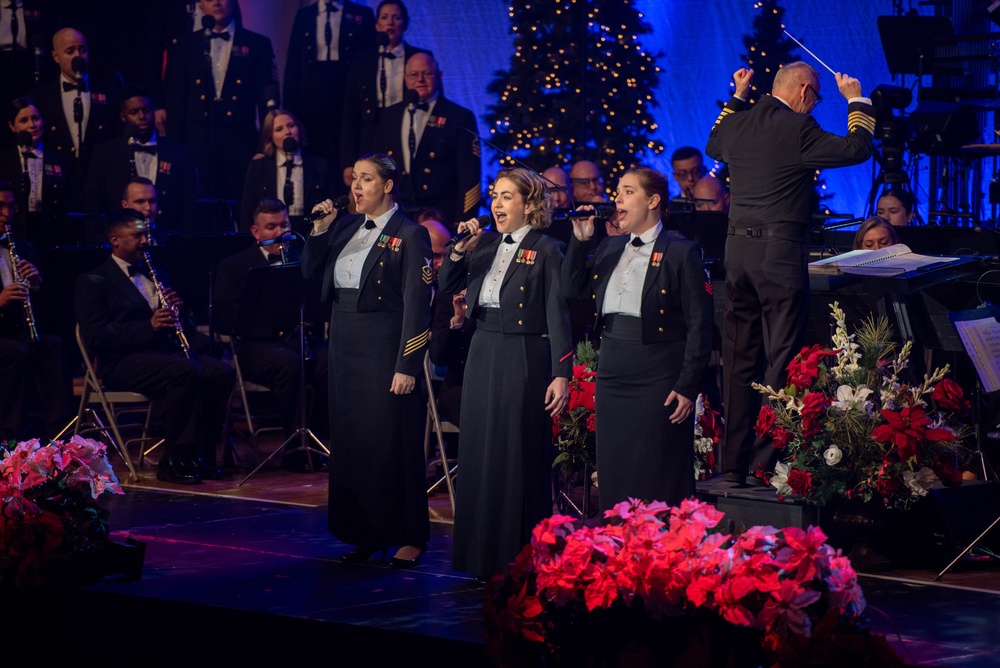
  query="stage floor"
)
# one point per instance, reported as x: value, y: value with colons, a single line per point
x: 276, y: 562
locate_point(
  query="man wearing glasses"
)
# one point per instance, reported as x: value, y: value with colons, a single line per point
x: 588, y: 186
x: 689, y: 166
x: 773, y: 151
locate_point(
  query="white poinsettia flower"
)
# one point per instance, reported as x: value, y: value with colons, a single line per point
x: 833, y: 455
x: 852, y: 397
x: 919, y: 482
x: 780, y: 479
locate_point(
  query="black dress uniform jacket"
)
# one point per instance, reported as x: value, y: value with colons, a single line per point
x: 445, y: 173
x: 60, y: 193
x: 262, y: 181
x: 103, y: 122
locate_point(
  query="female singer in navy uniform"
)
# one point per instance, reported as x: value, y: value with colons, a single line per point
x: 654, y: 317
x: 516, y: 375
x: 376, y: 269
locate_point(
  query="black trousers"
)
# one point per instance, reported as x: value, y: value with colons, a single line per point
x: 194, y: 393
x: 767, y: 299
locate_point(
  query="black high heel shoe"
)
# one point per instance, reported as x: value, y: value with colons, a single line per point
x: 405, y: 564
x: 361, y: 554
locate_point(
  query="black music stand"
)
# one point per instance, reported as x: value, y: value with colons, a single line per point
x: 267, y: 303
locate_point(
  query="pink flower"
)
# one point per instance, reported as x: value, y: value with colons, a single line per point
x: 785, y: 609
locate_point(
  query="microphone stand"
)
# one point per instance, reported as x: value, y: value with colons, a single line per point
x: 78, y: 119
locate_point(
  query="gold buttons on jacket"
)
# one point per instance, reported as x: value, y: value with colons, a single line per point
x: 663, y: 292
x: 520, y: 322
x: 522, y: 288
x: 661, y: 311
x: 520, y: 305
x: 378, y: 282
x: 381, y: 263
x: 595, y: 277
x: 197, y: 82
x: 661, y: 329
x: 239, y: 82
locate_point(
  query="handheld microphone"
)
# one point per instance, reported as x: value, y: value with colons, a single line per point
x: 340, y: 204
x: 79, y: 65
x: 381, y: 39
x: 291, y: 145
x: 411, y: 98
x: 603, y: 210
x: 461, y: 236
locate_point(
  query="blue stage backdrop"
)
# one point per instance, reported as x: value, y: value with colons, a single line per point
x: 701, y: 43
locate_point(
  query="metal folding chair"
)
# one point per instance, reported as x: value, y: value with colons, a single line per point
x: 440, y: 428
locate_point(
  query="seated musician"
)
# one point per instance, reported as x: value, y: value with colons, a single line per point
x: 132, y: 327
x: 30, y: 371
x: 268, y: 357
x: 875, y: 233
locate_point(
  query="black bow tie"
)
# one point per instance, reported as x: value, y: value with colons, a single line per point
x: 224, y: 35
x: 67, y: 87
x: 30, y: 154
x: 144, y: 148
x: 422, y: 106
x: 389, y: 55
x: 274, y: 258
x: 289, y: 164
x: 369, y: 224
x: 134, y: 269
x: 637, y: 242
x: 507, y: 239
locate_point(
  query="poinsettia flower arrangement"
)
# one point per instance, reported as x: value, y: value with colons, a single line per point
x: 48, y: 509
x: 849, y: 425
x: 573, y: 429
x: 656, y: 562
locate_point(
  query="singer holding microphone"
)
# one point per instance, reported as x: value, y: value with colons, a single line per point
x: 44, y: 183
x: 654, y: 317
x: 283, y: 171
x: 516, y: 375
x: 377, y: 271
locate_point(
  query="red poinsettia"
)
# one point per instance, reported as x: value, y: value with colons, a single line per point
x: 906, y: 429
x: 581, y: 388
x: 781, y: 437
x: 814, y: 407
x: 800, y: 482
x: 803, y: 370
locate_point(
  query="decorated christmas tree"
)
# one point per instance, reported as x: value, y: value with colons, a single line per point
x: 768, y: 48
x: 579, y: 86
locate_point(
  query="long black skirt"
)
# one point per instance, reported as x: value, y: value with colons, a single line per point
x: 505, y: 450
x: 377, y: 492
x: 640, y: 453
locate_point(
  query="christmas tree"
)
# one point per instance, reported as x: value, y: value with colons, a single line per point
x: 579, y: 86
x: 768, y: 48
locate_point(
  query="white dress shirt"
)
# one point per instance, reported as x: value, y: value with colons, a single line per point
x: 393, y: 76
x: 347, y: 269
x: 489, y: 295
x: 221, y: 50
x: 624, y: 291
x: 147, y: 165
x: 36, y: 172
x: 68, y: 96
x: 321, y: 50
x: 6, y: 37
x: 141, y: 282
x: 420, y: 119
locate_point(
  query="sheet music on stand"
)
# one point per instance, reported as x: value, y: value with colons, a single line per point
x: 979, y: 330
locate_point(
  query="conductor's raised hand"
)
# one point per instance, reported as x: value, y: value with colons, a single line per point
x: 583, y: 228
x: 848, y: 86
x: 472, y: 227
x: 742, y: 77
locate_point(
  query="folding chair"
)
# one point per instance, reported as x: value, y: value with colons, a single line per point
x: 88, y: 420
x: 241, y: 390
x: 440, y: 428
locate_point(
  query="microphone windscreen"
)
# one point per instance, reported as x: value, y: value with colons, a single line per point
x: 411, y: 97
x: 207, y: 22
x: 341, y: 203
x: 24, y: 139
x: 290, y: 145
x: 484, y: 220
x: 381, y: 39
x: 79, y: 64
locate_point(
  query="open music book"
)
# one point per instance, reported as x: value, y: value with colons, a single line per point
x: 889, y: 261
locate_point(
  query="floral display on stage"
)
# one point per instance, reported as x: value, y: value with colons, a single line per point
x: 850, y: 426
x: 49, y: 517
x: 707, y: 431
x: 775, y: 594
x: 573, y: 429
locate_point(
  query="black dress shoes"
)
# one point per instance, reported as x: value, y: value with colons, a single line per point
x: 406, y: 564
x: 361, y: 554
x: 178, y: 472
x: 206, y: 471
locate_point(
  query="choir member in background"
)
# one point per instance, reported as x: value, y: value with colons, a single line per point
x: 654, y: 319
x: 516, y: 376
x: 375, y: 82
x: 377, y: 271
x: 44, y: 180
x: 689, y: 166
x: 283, y: 170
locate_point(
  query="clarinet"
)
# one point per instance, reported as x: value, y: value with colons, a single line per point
x: 178, y: 329
x: 29, y: 311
